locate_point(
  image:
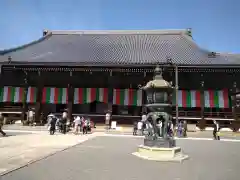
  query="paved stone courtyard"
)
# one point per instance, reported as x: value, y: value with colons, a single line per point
x: 109, y: 158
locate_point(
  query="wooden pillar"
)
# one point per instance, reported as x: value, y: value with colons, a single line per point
x: 235, y: 107
x: 25, y: 92
x: 144, y: 98
x: 234, y: 100
x: 110, y: 91
x: 176, y: 92
x: 202, y: 123
x: 70, y: 97
x: 38, y: 114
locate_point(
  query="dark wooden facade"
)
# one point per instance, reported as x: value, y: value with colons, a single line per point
x: 190, y: 78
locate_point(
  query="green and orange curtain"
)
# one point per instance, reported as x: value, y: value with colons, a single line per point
x: 127, y: 97
x: 217, y: 99
x: 16, y: 94
x: 12, y: 94
x: 52, y: 95
x: 31, y: 95
x: 88, y: 95
x: 187, y: 98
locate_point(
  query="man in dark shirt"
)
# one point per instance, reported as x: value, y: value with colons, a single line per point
x: 52, y: 125
x: 216, y: 130
x: 64, y: 124
x: 185, y: 128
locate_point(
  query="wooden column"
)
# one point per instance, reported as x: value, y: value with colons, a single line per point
x: 70, y: 97
x: 234, y: 100
x: 176, y: 92
x: 144, y: 97
x: 202, y: 123
x: 235, y: 107
x: 110, y: 91
x: 38, y: 114
x: 25, y: 92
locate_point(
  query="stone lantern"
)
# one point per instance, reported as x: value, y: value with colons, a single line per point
x: 158, y: 143
x: 158, y: 98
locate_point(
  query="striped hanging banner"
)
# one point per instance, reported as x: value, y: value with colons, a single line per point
x: 102, y: 95
x: 31, y: 95
x: 88, y: 95
x: 12, y: 94
x: 127, y: 97
x: 216, y: 99
x: 53, y: 95
x: 188, y: 98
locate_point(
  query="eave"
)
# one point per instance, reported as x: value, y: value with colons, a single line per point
x: 123, y: 68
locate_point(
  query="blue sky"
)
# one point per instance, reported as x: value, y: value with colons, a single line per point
x: 215, y: 23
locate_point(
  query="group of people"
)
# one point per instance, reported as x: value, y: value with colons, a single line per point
x: 80, y: 124
x: 57, y: 123
x: 139, y: 127
x: 181, y: 128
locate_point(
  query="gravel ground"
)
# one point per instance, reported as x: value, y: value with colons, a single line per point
x: 110, y: 158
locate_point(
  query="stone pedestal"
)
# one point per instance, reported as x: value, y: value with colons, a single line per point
x: 167, y: 142
x: 173, y: 154
x: 160, y: 149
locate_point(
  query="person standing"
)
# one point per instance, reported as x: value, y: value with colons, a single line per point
x: 135, y: 127
x: 144, y: 119
x: 30, y: 117
x: 170, y: 129
x: 140, y: 127
x: 107, y: 120
x: 216, y: 130
x: 185, y: 128
x: 180, y: 129
x: 64, y: 122
x: 1, y: 125
x: 52, y: 124
x: 77, y: 124
x: 86, y: 125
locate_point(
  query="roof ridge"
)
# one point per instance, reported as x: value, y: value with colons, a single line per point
x: 190, y: 39
x: 79, y: 32
x: 6, y: 51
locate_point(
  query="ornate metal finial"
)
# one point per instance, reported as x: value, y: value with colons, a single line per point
x: 158, y: 73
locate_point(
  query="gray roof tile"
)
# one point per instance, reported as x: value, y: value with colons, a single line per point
x: 116, y: 48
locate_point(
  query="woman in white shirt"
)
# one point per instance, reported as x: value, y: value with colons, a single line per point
x: 77, y: 122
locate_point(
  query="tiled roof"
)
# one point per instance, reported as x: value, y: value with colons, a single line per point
x: 116, y: 48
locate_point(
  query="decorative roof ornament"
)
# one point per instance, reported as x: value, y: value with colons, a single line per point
x: 158, y: 81
x: 189, y: 32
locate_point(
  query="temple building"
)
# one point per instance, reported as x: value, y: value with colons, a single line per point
x: 90, y: 72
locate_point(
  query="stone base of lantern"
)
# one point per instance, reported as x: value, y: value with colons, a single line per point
x: 160, y: 149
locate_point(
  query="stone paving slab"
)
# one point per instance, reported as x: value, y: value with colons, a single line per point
x: 110, y: 158
x: 17, y: 151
